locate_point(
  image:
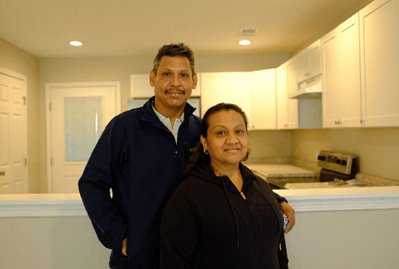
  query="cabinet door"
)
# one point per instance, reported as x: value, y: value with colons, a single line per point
x: 308, y: 62
x: 379, y: 24
x: 263, y: 100
x: 287, y: 109
x: 140, y: 86
x: 292, y: 81
x: 341, y: 75
x: 227, y: 87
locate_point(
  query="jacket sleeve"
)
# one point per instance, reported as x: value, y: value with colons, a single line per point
x: 179, y: 233
x: 279, y: 198
x: 282, y: 253
x: 95, y: 183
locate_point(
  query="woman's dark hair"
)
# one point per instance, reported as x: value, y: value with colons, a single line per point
x: 198, y: 156
x: 173, y: 50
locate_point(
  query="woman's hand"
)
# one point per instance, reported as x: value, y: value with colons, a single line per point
x: 289, y: 211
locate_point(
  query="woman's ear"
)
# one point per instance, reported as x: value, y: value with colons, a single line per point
x: 203, y: 142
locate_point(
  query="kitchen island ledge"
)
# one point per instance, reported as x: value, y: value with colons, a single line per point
x: 303, y: 200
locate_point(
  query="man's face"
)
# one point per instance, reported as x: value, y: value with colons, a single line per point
x: 173, y: 84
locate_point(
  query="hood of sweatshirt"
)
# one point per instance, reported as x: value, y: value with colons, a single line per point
x: 205, y: 172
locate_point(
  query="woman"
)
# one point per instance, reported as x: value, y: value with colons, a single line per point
x: 222, y: 215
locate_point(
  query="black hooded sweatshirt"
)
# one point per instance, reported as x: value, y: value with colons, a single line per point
x: 208, y: 224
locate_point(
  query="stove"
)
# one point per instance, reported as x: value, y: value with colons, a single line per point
x: 337, y: 169
x: 336, y: 165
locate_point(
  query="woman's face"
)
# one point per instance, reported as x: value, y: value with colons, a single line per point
x: 227, y: 138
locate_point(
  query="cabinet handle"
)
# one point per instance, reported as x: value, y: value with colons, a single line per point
x: 2, y: 173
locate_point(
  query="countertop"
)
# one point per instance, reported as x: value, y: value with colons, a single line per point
x: 278, y: 175
x: 281, y: 170
x: 303, y: 200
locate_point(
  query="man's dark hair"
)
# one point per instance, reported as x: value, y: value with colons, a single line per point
x: 172, y: 50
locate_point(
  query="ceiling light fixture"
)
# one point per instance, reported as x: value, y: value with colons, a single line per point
x: 76, y: 43
x: 244, y: 42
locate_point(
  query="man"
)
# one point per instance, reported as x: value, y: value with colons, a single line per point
x: 140, y: 157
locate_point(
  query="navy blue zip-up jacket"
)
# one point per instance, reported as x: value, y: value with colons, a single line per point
x: 138, y: 158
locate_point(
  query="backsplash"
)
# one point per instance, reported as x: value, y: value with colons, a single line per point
x: 377, y: 148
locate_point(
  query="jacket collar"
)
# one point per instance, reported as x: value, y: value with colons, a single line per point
x: 150, y: 116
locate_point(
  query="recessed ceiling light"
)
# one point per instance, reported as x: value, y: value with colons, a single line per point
x: 76, y: 43
x: 244, y: 42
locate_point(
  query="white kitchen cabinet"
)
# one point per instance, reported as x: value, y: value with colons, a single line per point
x: 379, y: 28
x: 341, y: 75
x: 263, y: 100
x: 140, y: 87
x: 227, y: 87
x: 292, y: 81
x: 287, y: 109
x: 254, y: 92
x: 308, y: 62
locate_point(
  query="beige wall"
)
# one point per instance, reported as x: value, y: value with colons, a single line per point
x: 377, y: 148
x: 270, y: 146
x: 364, y: 239
x: 17, y: 60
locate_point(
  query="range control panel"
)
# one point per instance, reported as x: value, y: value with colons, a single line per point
x: 337, y: 162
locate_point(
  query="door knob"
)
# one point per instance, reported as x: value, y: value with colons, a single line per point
x: 2, y: 173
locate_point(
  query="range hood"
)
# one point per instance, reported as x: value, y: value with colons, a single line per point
x: 310, y: 88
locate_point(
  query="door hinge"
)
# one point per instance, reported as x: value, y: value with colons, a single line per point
x: 51, y: 161
x: 26, y: 161
x: 49, y: 106
x: 24, y: 100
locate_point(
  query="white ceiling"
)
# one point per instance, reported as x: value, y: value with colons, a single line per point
x: 139, y: 27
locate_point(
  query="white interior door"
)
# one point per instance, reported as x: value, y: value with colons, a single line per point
x: 78, y: 114
x: 13, y: 136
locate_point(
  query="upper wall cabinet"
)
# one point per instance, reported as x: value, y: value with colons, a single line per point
x: 379, y: 28
x: 308, y: 62
x: 304, y: 73
x: 263, y: 99
x: 341, y: 75
x: 227, y: 87
x: 254, y: 92
x: 140, y: 86
x: 287, y: 109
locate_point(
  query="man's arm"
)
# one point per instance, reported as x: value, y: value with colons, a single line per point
x: 95, y: 184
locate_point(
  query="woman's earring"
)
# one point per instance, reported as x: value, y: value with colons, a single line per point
x: 206, y: 151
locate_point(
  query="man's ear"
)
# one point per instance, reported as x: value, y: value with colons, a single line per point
x: 152, y: 78
x: 195, y: 80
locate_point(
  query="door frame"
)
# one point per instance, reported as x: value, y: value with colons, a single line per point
x: 49, y: 87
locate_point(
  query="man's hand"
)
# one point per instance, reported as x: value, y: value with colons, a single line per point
x: 124, y: 247
x: 290, y: 213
